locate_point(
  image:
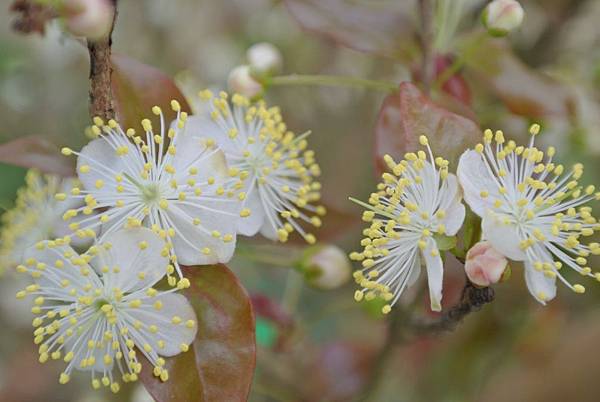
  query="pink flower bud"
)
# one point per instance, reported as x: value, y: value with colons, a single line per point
x: 502, y: 16
x: 327, y: 267
x: 241, y: 81
x: 264, y: 58
x: 485, y: 265
x: 89, y: 18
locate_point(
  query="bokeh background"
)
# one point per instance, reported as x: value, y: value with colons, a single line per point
x: 317, y: 345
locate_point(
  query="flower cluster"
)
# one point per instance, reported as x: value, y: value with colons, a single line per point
x: 149, y: 202
x: 533, y: 211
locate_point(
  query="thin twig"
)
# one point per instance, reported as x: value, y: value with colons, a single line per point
x: 101, y: 99
x: 427, y: 38
x: 472, y: 299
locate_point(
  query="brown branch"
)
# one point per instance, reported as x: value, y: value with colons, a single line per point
x: 427, y: 37
x: 472, y: 299
x: 101, y: 98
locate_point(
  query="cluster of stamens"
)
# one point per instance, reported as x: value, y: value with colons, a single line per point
x: 273, y: 162
x: 544, y: 202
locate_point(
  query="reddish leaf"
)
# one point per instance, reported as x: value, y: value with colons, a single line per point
x: 220, y: 364
x: 525, y: 92
x: 407, y: 114
x: 138, y: 87
x: 384, y: 29
x: 455, y: 85
x: 36, y: 152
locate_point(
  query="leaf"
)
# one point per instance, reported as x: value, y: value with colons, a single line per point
x: 384, y: 29
x: 36, y: 152
x: 525, y: 91
x: 220, y: 363
x: 138, y: 87
x: 408, y: 114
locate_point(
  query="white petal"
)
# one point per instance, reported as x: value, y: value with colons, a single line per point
x: 203, y: 126
x: 51, y: 277
x: 174, y: 335
x: 60, y: 226
x: 504, y: 236
x: 268, y: 230
x: 452, y: 205
x: 192, y: 151
x: 435, y: 274
x: 250, y: 225
x: 414, y: 274
x: 82, y: 350
x: 138, y: 268
x: 540, y: 286
x: 190, y: 239
x: 474, y: 178
x: 104, y: 163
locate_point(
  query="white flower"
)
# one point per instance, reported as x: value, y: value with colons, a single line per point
x: 241, y: 81
x: 172, y: 182
x: 502, y: 16
x: 89, y: 18
x: 35, y: 217
x: 275, y: 170
x: 93, y: 310
x: 531, y: 211
x: 413, y: 205
x: 326, y: 266
x: 264, y: 58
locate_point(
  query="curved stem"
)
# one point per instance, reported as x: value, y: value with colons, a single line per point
x: 332, y: 80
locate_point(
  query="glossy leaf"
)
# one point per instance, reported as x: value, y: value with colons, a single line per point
x: 408, y: 114
x: 36, y: 152
x: 220, y: 363
x: 138, y: 87
x: 384, y: 29
x: 523, y: 90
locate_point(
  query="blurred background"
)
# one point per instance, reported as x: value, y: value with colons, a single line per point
x: 315, y: 344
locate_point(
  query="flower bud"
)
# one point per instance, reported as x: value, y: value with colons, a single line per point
x: 502, y: 16
x: 264, y: 58
x: 89, y: 18
x: 326, y: 267
x: 484, y: 265
x: 241, y: 81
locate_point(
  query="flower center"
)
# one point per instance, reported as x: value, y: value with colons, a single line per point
x: 150, y: 193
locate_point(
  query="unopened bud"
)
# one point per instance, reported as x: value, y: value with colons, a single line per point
x: 264, y: 58
x: 502, y: 16
x: 241, y: 81
x: 326, y: 267
x: 485, y: 265
x: 89, y: 18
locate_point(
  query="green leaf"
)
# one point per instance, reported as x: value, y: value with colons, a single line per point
x: 36, y: 152
x: 220, y: 363
x: 445, y: 243
x: 138, y: 87
x: 408, y: 114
